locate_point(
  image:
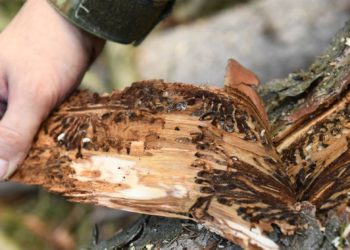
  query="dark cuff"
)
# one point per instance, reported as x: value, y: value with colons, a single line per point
x: 122, y: 21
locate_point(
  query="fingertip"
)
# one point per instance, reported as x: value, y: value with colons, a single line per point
x: 4, y: 165
x: 13, y: 149
x: 10, y: 167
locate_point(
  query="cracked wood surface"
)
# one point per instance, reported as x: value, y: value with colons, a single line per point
x: 206, y: 154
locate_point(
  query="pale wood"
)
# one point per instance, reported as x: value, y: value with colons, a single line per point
x: 206, y: 154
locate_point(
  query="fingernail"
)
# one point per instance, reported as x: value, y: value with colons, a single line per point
x: 3, y: 168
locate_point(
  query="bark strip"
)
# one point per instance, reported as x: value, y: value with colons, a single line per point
x: 205, y: 154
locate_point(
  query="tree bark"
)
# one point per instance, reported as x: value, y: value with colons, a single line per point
x: 210, y: 156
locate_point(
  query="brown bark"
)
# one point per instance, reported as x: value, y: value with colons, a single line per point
x: 208, y: 154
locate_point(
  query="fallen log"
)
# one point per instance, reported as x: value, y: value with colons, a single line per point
x: 208, y: 155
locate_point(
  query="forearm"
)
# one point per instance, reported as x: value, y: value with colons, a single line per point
x: 48, y: 24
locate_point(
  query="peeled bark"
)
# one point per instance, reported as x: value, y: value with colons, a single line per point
x: 206, y: 154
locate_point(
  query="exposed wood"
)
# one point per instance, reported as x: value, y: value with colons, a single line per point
x: 206, y: 154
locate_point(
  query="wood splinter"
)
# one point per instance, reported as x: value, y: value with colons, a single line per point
x: 198, y: 153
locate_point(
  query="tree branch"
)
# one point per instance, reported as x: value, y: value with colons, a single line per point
x: 208, y: 154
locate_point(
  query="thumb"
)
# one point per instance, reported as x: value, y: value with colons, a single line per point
x: 17, y: 130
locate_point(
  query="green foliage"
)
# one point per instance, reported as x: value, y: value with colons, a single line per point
x: 47, y: 213
x: 8, y: 8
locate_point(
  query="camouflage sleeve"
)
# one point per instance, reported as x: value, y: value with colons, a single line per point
x: 123, y: 21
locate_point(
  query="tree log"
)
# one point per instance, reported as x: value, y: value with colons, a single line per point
x: 206, y: 154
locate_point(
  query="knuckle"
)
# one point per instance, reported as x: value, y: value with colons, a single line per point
x: 42, y: 96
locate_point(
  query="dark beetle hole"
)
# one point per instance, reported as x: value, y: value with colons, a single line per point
x: 3, y: 107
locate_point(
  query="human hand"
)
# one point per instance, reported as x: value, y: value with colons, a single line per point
x: 42, y: 59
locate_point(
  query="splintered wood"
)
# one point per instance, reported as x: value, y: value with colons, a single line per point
x: 205, y: 154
